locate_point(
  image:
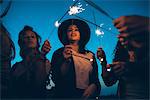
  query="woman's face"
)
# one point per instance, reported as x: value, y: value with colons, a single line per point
x: 30, y: 40
x: 73, y: 33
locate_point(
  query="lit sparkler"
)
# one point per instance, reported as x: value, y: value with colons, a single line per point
x: 101, y: 25
x: 76, y: 9
x: 108, y: 67
x: 50, y: 83
x: 99, y: 32
x: 57, y: 24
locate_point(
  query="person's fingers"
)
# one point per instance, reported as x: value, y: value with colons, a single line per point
x: 118, y: 70
x: 121, y: 39
x: 130, y: 27
x: 66, y: 55
x: 68, y: 52
x: 138, y: 32
x: 124, y: 29
x: 99, y: 49
x: 123, y: 35
x: 118, y: 20
x: 132, y: 30
x: 46, y: 49
x: 119, y: 73
x: 47, y: 42
x: 100, y: 53
x: 116, y: 62
x: 86, y: 95
x: 47, y: 46
x: 120, y: 25
x: 68, y: 46
x: 116, y: 67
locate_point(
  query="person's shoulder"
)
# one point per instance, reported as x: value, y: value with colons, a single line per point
x: 58, y: 51
x: 16, y: 66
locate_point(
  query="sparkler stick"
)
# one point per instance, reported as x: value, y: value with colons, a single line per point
x: 51, y: 32
x: 99, y: 39
x: 83, y: 57
x: 99, y: 9
x: 61, y: 19
x: 102, y: 11
x: 95, y: 24
x: 67, y: 11
x: 94, y: 18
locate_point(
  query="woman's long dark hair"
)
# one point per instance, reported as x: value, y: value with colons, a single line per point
x: 21, y: 40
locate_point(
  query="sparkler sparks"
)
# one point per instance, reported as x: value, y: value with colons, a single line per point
x: 108, y: 69
x: 50, y: 83
x: 57, y: 24
x: 101, y: 25
x: 75, y: 10
x: 101, y: 59
x: 99, y: 32
x: 91, y: 60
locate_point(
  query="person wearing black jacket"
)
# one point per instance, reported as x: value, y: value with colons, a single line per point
x: 74, y: 69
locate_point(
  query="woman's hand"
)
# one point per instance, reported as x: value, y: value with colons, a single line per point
x: 46, y: 47
x: 101, y: 54
x: 89, y: 91
x: 118, y: 68
x: 67, y: 51
x: 132, y: 25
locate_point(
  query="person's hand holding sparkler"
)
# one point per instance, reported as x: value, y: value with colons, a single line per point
x: 101, y: 55
x: 67, y: 53
x: 89, y: 91
x: 118, y: 68
x: 46, y: 47
x: 132, y: 26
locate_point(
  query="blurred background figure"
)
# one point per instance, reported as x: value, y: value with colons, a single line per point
x: 131, y: 60
x: 28, y: 77
x: 7, y: 53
